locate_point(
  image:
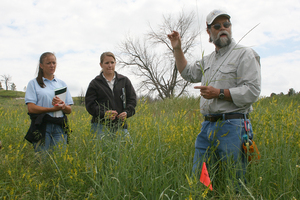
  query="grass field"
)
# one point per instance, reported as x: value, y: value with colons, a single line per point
x: 156, y: 163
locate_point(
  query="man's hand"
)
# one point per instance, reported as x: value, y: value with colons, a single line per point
x: 175, y: 40
x: 208, y: 92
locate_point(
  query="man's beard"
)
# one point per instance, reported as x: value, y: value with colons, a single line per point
x: 221, y: 41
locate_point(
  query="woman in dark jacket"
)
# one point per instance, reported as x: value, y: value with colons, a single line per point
x: 110, y: 98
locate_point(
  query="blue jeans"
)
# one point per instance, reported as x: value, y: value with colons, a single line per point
x: 101, y: 131
x: 221, y: 141
x: 54, y: 136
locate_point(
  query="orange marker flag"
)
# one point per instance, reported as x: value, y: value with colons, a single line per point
x: 204, y: 178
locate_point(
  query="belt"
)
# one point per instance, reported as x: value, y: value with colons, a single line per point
x: 214, y: 118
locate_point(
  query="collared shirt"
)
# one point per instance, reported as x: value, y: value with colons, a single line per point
x: 110, y: 83
x: 234, y: 67
x: 43, y: 96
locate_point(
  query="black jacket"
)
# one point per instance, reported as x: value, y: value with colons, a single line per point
x: 37, y: 129
x: 99, y: 98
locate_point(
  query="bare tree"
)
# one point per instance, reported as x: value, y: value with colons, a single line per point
x: 82, y: 97
x: 6, y: 79
x: 152, y: 58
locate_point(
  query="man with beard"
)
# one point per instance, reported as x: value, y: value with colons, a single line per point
x: 230, y: 83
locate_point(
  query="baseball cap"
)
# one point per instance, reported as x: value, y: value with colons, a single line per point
x: 214, y: 14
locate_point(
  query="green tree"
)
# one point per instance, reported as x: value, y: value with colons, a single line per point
x: 13, y: 87
x: 291, y: 92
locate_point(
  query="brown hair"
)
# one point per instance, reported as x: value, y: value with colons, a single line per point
x: 40, y: 75
x: 106, y: 54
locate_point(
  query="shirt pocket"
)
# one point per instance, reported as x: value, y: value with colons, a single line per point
x: 228, y: 75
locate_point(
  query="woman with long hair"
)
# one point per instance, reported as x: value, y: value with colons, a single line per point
x: 48, y: 101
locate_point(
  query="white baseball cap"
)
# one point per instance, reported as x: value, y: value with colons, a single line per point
x: 214, y: 14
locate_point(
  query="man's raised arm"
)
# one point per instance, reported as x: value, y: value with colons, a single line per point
x: 178, y: 53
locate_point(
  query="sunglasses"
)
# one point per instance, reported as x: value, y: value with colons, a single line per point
x: 218, y: 26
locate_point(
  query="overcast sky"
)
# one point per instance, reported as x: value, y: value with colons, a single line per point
x: 78, y: 31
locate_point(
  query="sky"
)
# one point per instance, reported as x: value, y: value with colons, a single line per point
x: 78, y: 31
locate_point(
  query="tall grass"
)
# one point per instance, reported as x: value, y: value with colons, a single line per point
x: 155, y: 163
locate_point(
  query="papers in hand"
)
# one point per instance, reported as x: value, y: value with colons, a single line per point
x: 61, y: 93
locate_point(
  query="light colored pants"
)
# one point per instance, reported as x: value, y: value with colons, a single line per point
x: 221, y: 141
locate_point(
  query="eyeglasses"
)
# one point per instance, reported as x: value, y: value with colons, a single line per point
x: 218, y: 26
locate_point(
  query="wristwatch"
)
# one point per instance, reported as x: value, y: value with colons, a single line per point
x: 221, y: 95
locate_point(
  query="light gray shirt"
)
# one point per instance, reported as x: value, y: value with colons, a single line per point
x: 234, y: 67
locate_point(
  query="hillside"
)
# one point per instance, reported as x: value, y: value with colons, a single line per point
x: 12, y: 94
